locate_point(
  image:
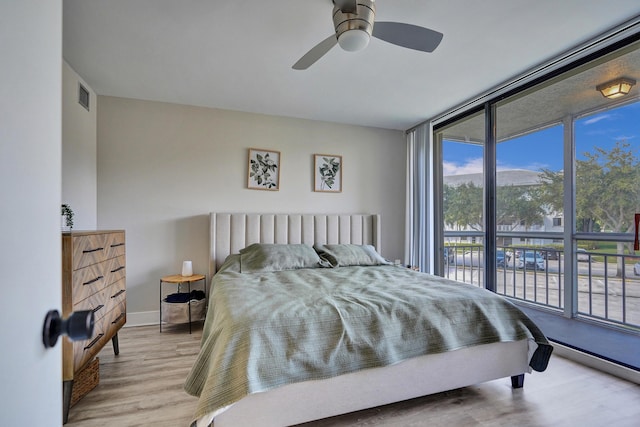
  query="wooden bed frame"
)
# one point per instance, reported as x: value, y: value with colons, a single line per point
x: 312, y: 400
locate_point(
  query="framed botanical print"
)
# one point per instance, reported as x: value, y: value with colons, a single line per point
x: 264, y: 169
x: 328, y: 173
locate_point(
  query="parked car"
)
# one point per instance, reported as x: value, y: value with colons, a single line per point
x: 502, y: 258
x: 583, y: 255
x: 636, y: 269
x: 531, y: 260
x: 551, y: 254
x: 473, y: 258
x: 449, y: 255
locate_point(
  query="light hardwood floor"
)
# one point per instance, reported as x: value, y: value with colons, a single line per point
x: 143, y: 387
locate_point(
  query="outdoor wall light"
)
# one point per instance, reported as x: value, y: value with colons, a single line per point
x: 616, y: 88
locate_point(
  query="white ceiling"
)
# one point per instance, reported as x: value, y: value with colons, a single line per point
x: 237, y: 54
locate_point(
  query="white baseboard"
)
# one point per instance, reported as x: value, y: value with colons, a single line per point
x: 596, y: 363
x: 143, y: 318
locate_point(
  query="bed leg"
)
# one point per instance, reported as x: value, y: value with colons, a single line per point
x: 517, y: 381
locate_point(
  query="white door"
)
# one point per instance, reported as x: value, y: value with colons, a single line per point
x: 30, y: 170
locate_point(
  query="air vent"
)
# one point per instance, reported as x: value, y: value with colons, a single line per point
x: 83, y: 96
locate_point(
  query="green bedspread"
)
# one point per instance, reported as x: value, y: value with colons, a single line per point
x: 264, y: 330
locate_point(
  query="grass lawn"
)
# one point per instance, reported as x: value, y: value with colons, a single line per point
x: 611, y: 248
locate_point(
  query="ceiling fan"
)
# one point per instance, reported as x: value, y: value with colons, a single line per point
x: 354, y: 25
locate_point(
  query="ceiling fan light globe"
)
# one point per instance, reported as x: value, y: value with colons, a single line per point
x: 354, y: 40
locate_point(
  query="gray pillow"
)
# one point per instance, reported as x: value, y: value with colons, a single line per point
x: 346, y: 255
x: 265, y: 257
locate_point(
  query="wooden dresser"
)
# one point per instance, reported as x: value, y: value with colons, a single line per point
x: 93, y: 278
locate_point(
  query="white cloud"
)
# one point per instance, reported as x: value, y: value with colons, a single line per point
x: 596, y: 119
x: 476, y: 166
x: 471, y: 166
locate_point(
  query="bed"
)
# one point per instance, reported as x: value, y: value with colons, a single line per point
x: 306, y: 320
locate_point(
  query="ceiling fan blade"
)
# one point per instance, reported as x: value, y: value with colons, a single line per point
x: 316, y: 53
x: 346, y: 6
x: 407, y: 35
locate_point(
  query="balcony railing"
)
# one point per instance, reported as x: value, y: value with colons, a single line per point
x: 608, y: 284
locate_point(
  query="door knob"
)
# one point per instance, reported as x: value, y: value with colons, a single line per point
x: 78, y: 326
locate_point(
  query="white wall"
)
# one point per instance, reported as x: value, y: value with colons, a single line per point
x: 30, y: 114
x: 79, y: 167
x: 163, y: 167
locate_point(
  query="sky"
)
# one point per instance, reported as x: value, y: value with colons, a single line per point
x: 544, y: 149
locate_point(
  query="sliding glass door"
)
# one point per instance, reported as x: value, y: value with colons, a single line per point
x: 529, y: 226
x: 550, y: 174
x: 607, y: 191
x: 462, y: 154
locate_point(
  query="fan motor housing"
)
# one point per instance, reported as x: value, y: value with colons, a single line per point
x: 361, y: 20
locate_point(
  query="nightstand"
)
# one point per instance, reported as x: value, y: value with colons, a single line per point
x: 179, y: 280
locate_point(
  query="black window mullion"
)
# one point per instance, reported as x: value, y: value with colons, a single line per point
x: 490, y: 222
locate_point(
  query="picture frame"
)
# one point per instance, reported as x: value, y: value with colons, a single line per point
x: 263, y: 169
x: 327, y: 173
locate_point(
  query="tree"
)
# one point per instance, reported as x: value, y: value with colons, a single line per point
x: 463, y: 206
x: 551, y: 190
x: 608, y: 185
x: 518, y: 205
x: 551, y: 195
x: 607, y: 190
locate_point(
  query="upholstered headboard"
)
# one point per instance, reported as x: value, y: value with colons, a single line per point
x: 231, y: 232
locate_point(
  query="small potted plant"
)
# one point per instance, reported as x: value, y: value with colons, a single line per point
x: 67, y: 217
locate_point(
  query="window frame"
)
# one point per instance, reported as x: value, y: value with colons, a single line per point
x: 488, y: 105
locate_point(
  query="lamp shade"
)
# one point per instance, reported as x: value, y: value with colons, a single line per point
x: 616, y: 88
x: 187, y: 269
x: 354, y: 40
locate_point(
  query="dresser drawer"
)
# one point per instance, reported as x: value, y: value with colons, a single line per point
x: 116, y: 317
x: 89, y: 280
x: 115, y: 269
x: 99, y: 303
x: 84, y: 351
x: 88, y: 250
x: 115, y: 295
x: 115, y: 245
x: 103, y: 330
